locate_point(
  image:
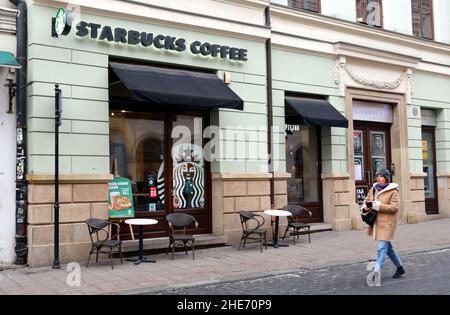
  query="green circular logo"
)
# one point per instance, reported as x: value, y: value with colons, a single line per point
x: 61, y: 21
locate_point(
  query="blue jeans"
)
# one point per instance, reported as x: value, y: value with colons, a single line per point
x: 386, y: 248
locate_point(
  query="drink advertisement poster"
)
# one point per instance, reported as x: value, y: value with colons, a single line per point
x: 120, y: 198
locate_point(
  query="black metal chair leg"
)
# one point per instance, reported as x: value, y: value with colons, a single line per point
x: 89, y: 258
x: 193, y: 249
x: 265, y: 239
x: 284, y: 235
x: 309, y: 235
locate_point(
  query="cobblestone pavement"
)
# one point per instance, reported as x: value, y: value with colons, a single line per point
x: 228, y: 264
x: 427, y: 273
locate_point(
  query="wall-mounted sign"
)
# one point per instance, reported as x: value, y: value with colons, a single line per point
x: 61, y: 23
x: 131, y: 37
x: 376, y: 112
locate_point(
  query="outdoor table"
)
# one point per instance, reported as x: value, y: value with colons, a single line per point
x: 141, y: 222
x: 277, y: 214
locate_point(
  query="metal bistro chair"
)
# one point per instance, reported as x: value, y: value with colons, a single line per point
x: 251, y: 228
x: 99, y: 232
x: 298, y: 213
x: 178, y: 222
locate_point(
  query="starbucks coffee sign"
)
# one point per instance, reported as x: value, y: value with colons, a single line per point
x: 62, y: 23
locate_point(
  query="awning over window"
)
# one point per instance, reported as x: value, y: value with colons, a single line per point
x: 7, y: 60
x: 319, y: 112
x: 176, y: 87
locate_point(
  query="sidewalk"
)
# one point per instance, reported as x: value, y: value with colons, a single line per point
x: 223, y: 264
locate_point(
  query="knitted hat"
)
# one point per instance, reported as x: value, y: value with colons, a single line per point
x: 385, y: 173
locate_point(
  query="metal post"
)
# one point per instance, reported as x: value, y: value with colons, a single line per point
x: 56, y: 264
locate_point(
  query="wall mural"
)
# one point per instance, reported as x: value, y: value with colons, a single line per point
x: 188, y: 177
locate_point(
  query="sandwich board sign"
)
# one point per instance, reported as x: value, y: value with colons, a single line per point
x: 120, y: 198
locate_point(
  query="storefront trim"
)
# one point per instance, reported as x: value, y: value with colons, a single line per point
x: 69, y: 178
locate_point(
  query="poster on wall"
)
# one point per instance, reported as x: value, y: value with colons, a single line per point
x: 120, y: 198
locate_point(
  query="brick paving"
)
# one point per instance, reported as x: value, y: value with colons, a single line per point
x: 224, y: 264
x: 427, y: 273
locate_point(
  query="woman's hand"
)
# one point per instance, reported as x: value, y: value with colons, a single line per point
x: 376, y: 205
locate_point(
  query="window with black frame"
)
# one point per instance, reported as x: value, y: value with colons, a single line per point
x: 422, y: 18
x: 369, y: 12
x: 309, y: 5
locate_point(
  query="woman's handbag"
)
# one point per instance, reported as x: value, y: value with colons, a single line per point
x: 370, y: 217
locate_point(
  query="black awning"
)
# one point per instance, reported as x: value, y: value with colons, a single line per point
x: 318, y: 112
x: 176, y: 87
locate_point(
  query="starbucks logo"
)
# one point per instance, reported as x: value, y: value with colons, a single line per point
x: 62, y: 22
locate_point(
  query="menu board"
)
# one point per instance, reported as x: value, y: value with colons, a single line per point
x: 120, y: 198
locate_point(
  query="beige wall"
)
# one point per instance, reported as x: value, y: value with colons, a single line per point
x: 249, y: 192
x: 80, y: 199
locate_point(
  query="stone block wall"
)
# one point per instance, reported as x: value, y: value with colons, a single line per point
x: 78, y: 201
x: 339, y: 201
x: 416, y: 212
x: 250, y: 192
x: 444, y: 193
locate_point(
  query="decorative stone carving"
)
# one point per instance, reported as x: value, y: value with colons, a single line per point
x: 374, y: 83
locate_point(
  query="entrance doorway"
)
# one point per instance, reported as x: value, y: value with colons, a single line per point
x: 429, y: 167
x: 303, y: 162
x: 162, y: 154
x: 372, y: 149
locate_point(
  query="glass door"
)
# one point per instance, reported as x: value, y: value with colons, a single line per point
x: 189, y: 184
x: 371, y: 144
x: 429, y: 167
x: 303, y: 163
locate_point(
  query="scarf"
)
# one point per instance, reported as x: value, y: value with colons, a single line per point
x: 380, y: 187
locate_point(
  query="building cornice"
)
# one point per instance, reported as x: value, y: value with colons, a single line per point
x: 8, y: 20
x: 322, y: 21
x: 139, y: 11
x: 376, y: 55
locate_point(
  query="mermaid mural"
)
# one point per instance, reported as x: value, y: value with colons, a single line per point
x: 188, y: 178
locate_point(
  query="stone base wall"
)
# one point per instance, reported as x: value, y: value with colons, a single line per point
x: 415, y: 212
x: 444, y: 194
x: 78, y: 202
x: 250, y: 192
x: 339, y: 206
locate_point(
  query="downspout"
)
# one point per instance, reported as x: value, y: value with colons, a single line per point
x: 269, y: 107
x: 21, y: 133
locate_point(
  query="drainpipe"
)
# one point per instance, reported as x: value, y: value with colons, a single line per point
x: 269, y: 107
x: 21, y: 133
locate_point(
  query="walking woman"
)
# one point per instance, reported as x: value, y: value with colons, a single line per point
x: 384, y: 198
